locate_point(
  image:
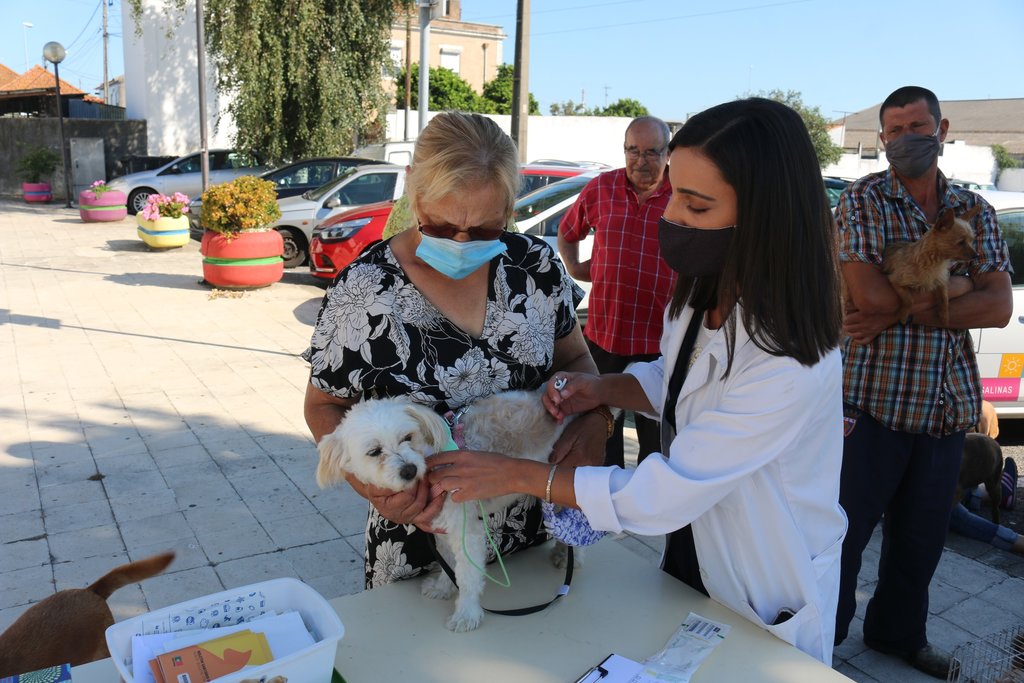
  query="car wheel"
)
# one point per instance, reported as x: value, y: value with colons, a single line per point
x: 137, y: 199
x: 294, y: 248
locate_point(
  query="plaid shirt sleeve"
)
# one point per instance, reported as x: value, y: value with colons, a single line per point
x: 993, y: 253
x: 861, y: 223
x: 575, y: 226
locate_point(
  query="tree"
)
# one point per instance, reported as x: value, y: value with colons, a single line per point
x: 499, y: 91
x: 570, y: 108
x: 447, y: 91
x: 1003, y: 158
x: 303, y: 76
x: 817, y: 126
x: 624, y: 107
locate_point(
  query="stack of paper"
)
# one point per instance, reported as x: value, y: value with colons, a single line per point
x: 160, y: 657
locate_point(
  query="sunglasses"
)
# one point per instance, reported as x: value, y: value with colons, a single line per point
x: 476, y: 233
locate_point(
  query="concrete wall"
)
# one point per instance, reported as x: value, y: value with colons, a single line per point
x: 572, y: 138
x: 120, y: 139
x: 162, y: 82
x: 958, y: 160
x: 1011, y: 180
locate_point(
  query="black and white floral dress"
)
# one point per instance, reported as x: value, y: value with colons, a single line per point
x: 377, y: 336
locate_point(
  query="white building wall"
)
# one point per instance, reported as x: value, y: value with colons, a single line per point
x: 958, y: 160
x: 1011, y: 180
x: 161, y: 82
x: 571, y: 138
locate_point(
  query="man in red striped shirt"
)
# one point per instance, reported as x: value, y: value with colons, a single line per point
x: 631, y: 282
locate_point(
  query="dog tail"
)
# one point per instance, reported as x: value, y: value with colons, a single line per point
x: 131, y: 573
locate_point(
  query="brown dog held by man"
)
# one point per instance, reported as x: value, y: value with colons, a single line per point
x: 69, y: 626
x: 982, y: 463
x: 923, y: 266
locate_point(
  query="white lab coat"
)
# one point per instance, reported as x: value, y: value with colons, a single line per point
x: 755, y: 468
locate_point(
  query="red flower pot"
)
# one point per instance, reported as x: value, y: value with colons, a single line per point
x: 109, y: 206
x: 37, y: 192
x: 251, y: 260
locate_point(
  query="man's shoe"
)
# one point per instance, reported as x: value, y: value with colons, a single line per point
x: 931, y: 660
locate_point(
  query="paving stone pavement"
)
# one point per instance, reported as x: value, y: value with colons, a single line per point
x: 142, y: 410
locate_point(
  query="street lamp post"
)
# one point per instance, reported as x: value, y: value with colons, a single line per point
x: 26, y: 25
x: 54, y: 53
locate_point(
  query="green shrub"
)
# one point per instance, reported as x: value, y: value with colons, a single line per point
x: 37, y: 164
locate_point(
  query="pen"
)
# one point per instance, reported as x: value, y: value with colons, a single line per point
x: 594, y: 673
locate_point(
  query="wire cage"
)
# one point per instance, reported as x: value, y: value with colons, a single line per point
x: 998, y: 658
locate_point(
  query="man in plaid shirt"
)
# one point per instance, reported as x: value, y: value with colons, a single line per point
x: 911, y: 389
x: 631, y: 282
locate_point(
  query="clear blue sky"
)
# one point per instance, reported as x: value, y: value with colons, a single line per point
x: 674, y: 56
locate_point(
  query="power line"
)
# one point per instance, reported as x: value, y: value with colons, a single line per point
x: 563, y: 9
x: 91, y: 17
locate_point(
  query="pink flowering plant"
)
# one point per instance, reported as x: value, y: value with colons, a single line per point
x: 99, y: 187
x: 162, y: 206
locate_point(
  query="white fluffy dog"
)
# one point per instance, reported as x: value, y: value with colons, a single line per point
x: 384, y: 442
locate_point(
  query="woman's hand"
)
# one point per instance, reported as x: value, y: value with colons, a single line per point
x: 411, y: 506
x: 474, y: 475
x: 582, y: 442
x: 570, y: 393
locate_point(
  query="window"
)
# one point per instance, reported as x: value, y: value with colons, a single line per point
x: 1011, y: 225
x: 451, y: 58
x: 314, y: 175
x: 367, y: 189
x: 390, y: 69
x: 189, y: 164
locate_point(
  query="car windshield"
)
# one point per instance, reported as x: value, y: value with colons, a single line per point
x: 322, y: 191
x: 543, y: 199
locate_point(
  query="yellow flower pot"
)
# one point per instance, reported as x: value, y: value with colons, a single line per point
x: 163, y: 233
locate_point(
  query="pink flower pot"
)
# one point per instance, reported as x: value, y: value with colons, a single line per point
x: 109, y: 206
x: 37, y: 192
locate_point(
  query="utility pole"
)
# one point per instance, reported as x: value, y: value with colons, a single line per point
x: 606, y: 89
x: 521, y: 78
x: 427, y: 12
x: 408, y: 69
x: 204, y: 153
x: 106, y: 39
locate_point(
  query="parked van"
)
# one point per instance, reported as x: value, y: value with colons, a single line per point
x: 389, y: 152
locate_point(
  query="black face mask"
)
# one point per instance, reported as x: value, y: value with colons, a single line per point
x: 693, y: 252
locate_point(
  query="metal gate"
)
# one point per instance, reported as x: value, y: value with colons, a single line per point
x: 88, y: 164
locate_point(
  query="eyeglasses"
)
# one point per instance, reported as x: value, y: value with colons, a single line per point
x: 634, y: 153
x: 476, y: 233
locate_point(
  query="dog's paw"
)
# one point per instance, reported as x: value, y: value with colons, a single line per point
x: 560, y: 556
x: 437, y: 587
x: 466, y: 619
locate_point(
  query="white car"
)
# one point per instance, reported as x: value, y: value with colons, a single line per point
x: 184, y: 175
x: 541, y: 211
x: 1001, y: 351
x: 355, y: 187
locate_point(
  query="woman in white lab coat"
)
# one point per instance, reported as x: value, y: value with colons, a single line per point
x: 749, y: 394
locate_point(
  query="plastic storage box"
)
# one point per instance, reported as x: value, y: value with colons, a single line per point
x: 314, y: 664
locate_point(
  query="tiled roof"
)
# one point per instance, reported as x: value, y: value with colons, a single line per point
x: 6, y: 75
x: 35, y: 79
x: 976, y: 122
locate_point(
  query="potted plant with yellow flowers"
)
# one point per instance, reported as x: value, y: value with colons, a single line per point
x: 240, y: 250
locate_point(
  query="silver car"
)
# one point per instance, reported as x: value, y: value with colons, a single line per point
x: 354, y: 187
x: 184, y: 175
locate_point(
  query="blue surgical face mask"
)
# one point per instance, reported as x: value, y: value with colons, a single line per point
x: 457, y: 259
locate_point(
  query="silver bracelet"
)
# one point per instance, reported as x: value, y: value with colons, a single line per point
x: 547, y: 489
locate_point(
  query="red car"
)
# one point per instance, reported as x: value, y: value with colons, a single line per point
x: 339, y: 239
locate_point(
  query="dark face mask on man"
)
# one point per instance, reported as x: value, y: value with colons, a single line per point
x: 693, y: 252
x: 912, y: 154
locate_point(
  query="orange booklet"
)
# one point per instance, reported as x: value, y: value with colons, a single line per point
x: 211, y: 659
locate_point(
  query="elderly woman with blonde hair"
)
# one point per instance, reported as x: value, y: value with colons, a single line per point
x: 453, y: 311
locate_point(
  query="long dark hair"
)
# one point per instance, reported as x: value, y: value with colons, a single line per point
x: 783, y: 259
